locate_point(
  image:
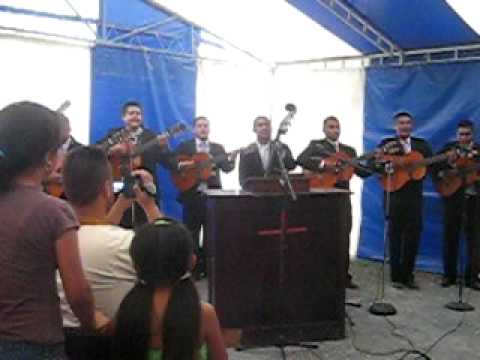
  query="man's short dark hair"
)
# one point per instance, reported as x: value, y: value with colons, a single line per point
x: 257, y: 119
x: 198, y: 118
x: 401, y: 114
x: 84, y: 174
x: 130, y: 103
x: 330, y: 118
x: 466, y: 124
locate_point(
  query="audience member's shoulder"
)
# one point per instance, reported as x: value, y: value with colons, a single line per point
x: 109, y: 230
x: 50, y: 201
x: 208, y: 311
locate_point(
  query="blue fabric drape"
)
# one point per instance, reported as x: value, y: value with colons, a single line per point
x: 438, y: 96
x: 165, y: 87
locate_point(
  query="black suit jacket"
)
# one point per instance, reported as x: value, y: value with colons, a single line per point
x: 323, y: 149
x: 251, y: 163
x: 219, y: 158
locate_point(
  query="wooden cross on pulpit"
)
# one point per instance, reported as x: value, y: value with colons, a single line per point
x: 283, y: 231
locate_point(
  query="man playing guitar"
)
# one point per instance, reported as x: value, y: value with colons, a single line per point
x: 134, y: 133
x: 314, y: 158
x: 405, y: 205
x: 194, y: 210
x: 462, y: 207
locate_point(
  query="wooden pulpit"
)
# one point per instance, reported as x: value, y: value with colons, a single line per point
x: 277, y: 267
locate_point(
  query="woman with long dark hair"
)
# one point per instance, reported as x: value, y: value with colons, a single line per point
x: 38, y: 233
x: 162, y: 316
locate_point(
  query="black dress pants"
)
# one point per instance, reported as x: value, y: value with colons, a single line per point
x: 461, y: 211
x: 194, y: 217
x: 404, y: 235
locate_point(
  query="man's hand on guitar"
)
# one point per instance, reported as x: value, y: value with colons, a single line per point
x: 117, y: 150
x: 452, y: 157
x: 162, y: 140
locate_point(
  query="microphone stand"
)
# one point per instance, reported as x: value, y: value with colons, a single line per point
x: 380, y: 306
x: 461, y: 305
x: 285, y: 180
x: 283, y: 341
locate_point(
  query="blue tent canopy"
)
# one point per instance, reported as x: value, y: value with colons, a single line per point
x: 414, y: 24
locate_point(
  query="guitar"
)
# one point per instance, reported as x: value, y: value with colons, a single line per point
x: 412, y: 166
x: 54, y: 184
x: 201, y: 169
x: 464, y: 173
x: 339, y: 166
x: 130, y: 156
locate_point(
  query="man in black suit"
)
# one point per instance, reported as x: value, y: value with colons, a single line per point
x: 193, y: 199
x: 406, y: 205
x: 311, y: 159
x: 259, y: 158
x: 461, y: 209
x: 135, y: 132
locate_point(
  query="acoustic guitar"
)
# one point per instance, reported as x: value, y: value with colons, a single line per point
x: 339, y: 166
x: 130, y: 157
x: 465, y: 173
x: 412, y: 166
x: 202, y: 168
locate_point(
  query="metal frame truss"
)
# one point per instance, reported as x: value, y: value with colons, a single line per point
x: 150, y: 37
x: 355, y: 21
x: 146, y: 38
x: 440, y: 55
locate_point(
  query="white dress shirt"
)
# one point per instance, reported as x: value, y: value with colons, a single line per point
x: 203, y: 146
x: 264, y: 151
x: 407, y: 145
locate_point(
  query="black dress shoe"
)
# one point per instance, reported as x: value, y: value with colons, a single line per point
x: 475, y: 285
x: 412, y: 285
x: 447, y: 282
x: 397, y: 285
x: 351, y: 285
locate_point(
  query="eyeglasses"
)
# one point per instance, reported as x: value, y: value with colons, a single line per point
x: 464, y: 134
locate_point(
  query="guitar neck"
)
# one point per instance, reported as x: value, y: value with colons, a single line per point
x: 140, y: 149
x: 432, y: 160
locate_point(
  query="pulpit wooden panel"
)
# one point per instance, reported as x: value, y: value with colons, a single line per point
x: 276, y: 288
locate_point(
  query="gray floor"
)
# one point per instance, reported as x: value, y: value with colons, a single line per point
x: 421, y: 320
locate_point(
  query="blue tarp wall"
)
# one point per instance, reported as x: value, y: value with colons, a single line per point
x: 438, y: 96
x: 165, y: 85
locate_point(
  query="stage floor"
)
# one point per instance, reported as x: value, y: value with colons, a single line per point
x: 421, y: 320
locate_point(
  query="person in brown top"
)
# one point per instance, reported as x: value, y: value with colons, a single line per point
x: 38, y: 233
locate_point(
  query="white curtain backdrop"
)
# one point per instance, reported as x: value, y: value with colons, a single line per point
x: 231, y: 97
x: 48, y: 73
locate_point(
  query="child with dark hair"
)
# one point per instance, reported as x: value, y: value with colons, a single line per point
x: 162, y: 316
x: 38, y: 233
